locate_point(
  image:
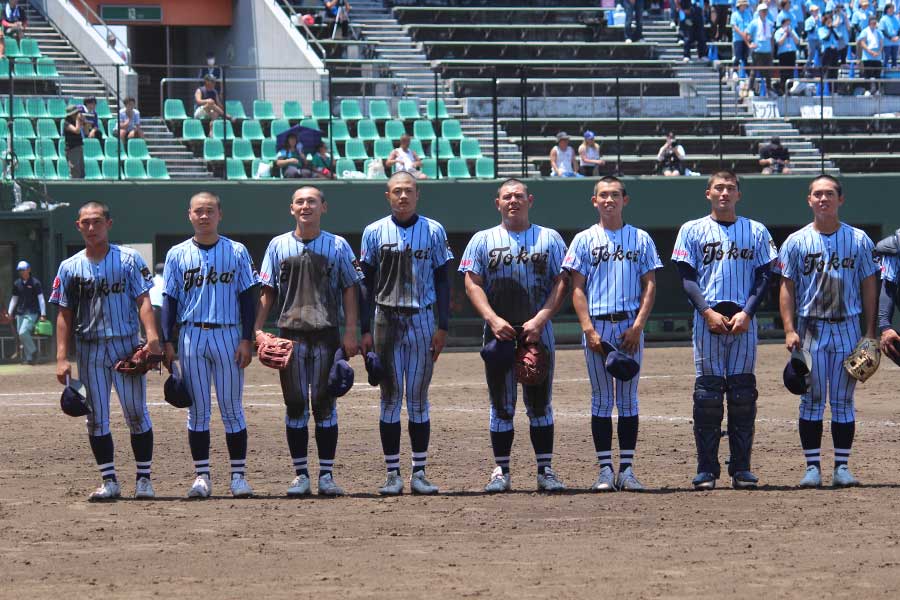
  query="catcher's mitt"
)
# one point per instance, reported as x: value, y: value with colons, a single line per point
x: 274, y: 352
x: 863, y: 361
x: 532, y: 363
x: 141, y: 361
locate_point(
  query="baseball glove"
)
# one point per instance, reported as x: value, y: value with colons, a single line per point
x: 274, y: 352
x: 863, y: 361
x: 141, y: 361
x: 532, y: 363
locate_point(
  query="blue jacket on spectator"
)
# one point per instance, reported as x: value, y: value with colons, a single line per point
x: 761, y: 34
x: 742, y: 20
x: 889, y: 26
x: 828, y: 37
x: 785, y: 41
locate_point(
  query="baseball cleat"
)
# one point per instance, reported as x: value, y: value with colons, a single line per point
x: 549, y: 482
x: 628, y: 482
x: 201, y: 488
x: 327, y: 486
x: 300, y: 486
x: 843, y: 477
x: 704, y: 481
x: 812, y: 478
x: 108, y: 490
x: 500, y: 482
x: 240, y: 488
x: 419, y: 485
x: 393, y: 485
x: 744, y: 480
x: 606, y: 480
x: 143, y: 489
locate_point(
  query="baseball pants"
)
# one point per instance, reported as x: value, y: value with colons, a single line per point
x: 724, y: 354
x: 25, y: 329
x: 828, y: 344
x: 207, y: 355
x: 305, y: 381
x: 606, y: 390
x: 403, y: 343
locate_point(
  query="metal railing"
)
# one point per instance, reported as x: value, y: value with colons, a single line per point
x: 85, y: 8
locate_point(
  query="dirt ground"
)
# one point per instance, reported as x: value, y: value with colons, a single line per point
x: 778, y: 541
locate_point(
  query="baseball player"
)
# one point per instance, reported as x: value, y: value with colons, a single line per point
x: 725, y: 263
x: 828, y: 277
x: 210, y: 293
x: 404, y: 260
x: 96, y: 291
x: 613, y: 269
x: 311, y: 277
x: 513, y: 280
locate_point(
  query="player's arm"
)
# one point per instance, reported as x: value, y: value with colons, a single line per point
x: 786, y: 303
x: 266, y: 300
x: 889, y: 337
x: 148, y: 320
x: 442, y: 298
x: 351, y: 316
x: 532, y: 328
x: 870, y: 303
x: 43, y: 306
x: 247, y: 302
x: 391, y: 159
x: 716, y: 322
x: 553, y: 167
x: 500, y: 327
x: 741, y: 322
x: 63, y: 333
x: 367, y: 305
x: 582, y: 310
x: 631, y: 337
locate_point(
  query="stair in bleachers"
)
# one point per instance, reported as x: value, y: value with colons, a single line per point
x: 180, y: 162
x: 806, y: 159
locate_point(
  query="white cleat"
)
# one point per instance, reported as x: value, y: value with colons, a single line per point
x: 201, y: 488
x: 628, y: 482
x: 143, y: 489
x: 299, y: 486
x: 419, y: 485
x: 606, y: 480
x: 393, y: 485
x: 812, y: 478
x: 108, y: 490
x: 240, y: 488
x: 549, y: 482
x: 327, y: 486
x: 843, y: 477
x: 500, y: 482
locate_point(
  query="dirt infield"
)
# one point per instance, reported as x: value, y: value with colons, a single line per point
x: 778, y: 541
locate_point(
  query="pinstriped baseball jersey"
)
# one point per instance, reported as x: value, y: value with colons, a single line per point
x: 309, y: 277
x: 890, y: 267
x: 612, y: 262
x: 206, y: 281
x: 725, y: 256
x: 518, y: 268
x: 405, y: 258
x: 102, y: 295
x: 828, y: 270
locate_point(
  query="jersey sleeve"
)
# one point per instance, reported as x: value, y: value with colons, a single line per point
x: 268, y: 271
x: 889, y: 268
x: 171, y: 276
x: 140, y: 279
x: 684, y: 247
x: 576, y: 258
x: 368, y: 251
x: 441, y: 253
x: 766, y: 251
x: 473, y: 258
x: 348, y: 267
x: 59, y: 294
x: 786, y: 259
x: 247, y: 277
x: 556, y: 255
x: 650, y: 260
x: 869, y: 262
x: 38, y: 288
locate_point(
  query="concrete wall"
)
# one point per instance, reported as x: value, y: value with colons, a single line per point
x: 630, y: 107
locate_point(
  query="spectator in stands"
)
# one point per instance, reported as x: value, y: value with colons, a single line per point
x: 634, y: 20
x: 760, y: 32
x: 14, y: 22
x: 774, y: 158
x: 338, y: 12
x: 818, y: 3
x: 859, y: 19
x: 813, y: 43
x: 830, y: 55
x: 719, y: 18
x: 692, y: 29
x: 740, y: 41
x: 786, y: 43
x: 322, y: 163
x: 670, y: 156
x: 871, y: 48
x: 27, y: 305
x: 291, y: 160
x: 890, y: 27
x: 72, y: 132
x: 405, y: 159
x: 208, y: 100
x: 111, y: 42
x: 90, y: 120
x: 787, y: 12
x: 589, y: 156
x: 562, y: 158
x: 211, y: 68
x: 129, y: 122
x: 841, y: 23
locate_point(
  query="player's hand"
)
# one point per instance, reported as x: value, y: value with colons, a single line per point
x: 43, y: 318
x: 501, y: 329
x: 244, y: 354
x: 531, y: 330
x: 791, y: 341
x: 366, y: 343
x: 716, y: 322
x: 592, y: 339
x: 437, y: 343
x: 351, y: 344
x: 169, y: 353
x: 890, y: 341
x: 631, y: 339
x: 739, y: 323
x: 63, y: 371
x: 153, y: 346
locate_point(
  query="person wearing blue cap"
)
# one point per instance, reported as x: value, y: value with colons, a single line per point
x: 27, y: 306
x: 589, y: 160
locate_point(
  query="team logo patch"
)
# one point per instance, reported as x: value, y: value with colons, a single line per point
x: 145, y: 272
x: 466, y: 262
x: 56, y: 283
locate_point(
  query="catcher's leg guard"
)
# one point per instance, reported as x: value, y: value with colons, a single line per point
x: 741, y: 394
x: 709, y: 396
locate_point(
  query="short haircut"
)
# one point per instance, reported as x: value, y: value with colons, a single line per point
x: 512, y: 181
x: 94, y: 204
x: 832, y: 179
x: 130, y: 99
x: 400, y: 174
x: 724, y: 174
x: 311, y: 187
x: 208, y: 196
x: 610, y: 179
x: 405, y: 138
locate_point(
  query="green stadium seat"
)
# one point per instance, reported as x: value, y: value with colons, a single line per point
x: 112, y: 126
x: 422, y: 130
x: 382, y: 148
x: 254, y: 169
x: 484, y: 168
x: 252, y: 130
x: 452, y: 130
x: 234, y: 169
x: 12, y: 48
x: 22, y: 149
x: 344, y: 164
x: 442, y: 150
x: 45, y: 148
x: 4, y: 68
x: 193, y: 130
x: 338, y: 131
x: 408, y: 110
x: 430, y: 168
x: 292, y: 111
x: 279, y: 125
x: 321, y: 110
x: 45, y: 169
x: 24, y: 170
x: 63, y: 168
x: 47, y: 129
x: 355, y: 149
x: 134, y: 169
x: 36, y: 108
x: 22, y: 129
x: 137, y: 148
x: 310, y: 123
x: 235, y: 109
x: 213, y: 150
x: 92, y: 149
x: 379, y: 110
x: 19, y: 111
x: 268, y: 150
x: 394, y: 129
x: 470, y: 149
x: 458, y: 169
x: 92, y: 169
x: 242, y: 149
x: 416, y: 146
x: 333, y: 150
x: 61, y: 147
x: 350, y: 110
x: 111, y: 149
x: 263, y: 111
x: 441, y: 110
x: 156, y: 169
x: 110, y: 169
x: 221, y: 129
x: 366, y: 130
x: 28, y: 48
x: 46, y: 68
x: 366, y: 166
x: 56, y: 108
x: 103, y: 109
x: 4, y: 108
x: 23, y: 68
x: 173, y: 110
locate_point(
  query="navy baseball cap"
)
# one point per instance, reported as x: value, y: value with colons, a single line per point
x: 499, y: 355
x: 73, y: 401
x: 797, y: 372
x: 175, y: 390
x: 374, y: 369
x: 618, y: 364
x: 340, y: 378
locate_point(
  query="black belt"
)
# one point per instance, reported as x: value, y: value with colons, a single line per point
x: 829, y: 319
x: 401, y: 310
x: 616, y: 317
x: 205, y: 325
